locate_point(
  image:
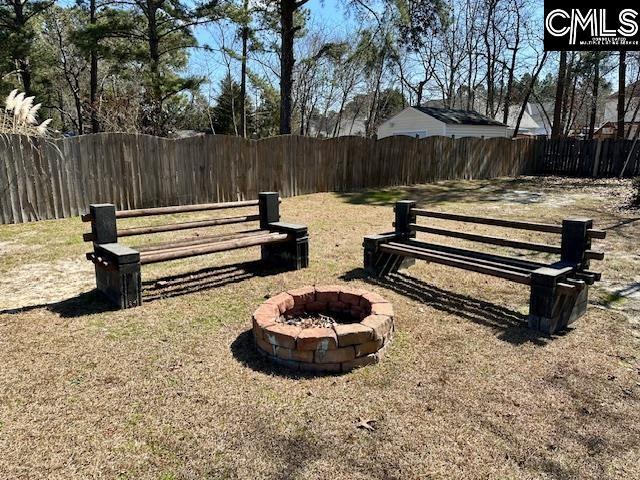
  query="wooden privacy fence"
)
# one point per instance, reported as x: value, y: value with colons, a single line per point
x: 43, y: 179
x: 587, y: 158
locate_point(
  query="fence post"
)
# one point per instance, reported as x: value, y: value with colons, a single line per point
x: 596, y: 160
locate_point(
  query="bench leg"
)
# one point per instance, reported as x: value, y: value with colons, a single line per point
x: 379, y: 264
x: 290, y: 255
x: 551, y: 311
x: 122, y: 286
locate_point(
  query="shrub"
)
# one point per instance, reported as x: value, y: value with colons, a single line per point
x: 20, y: 116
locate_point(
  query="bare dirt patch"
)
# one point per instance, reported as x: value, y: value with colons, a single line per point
x: 43, y: 283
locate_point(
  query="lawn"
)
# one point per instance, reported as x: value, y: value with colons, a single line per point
x: 175, y: 390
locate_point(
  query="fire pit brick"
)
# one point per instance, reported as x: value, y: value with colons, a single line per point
x: 283, y: 301
x: 317, y: 339
x: 362, y: 334
x: 353, y: 334
x: 380, y: 324
x: 282, y: 335
x: 337, y: 355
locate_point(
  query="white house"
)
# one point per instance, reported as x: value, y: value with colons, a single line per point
x: 528, y: 126
x: 430, y: 121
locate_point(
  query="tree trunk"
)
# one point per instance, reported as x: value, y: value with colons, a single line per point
x: 512, y: 69
x: 93, y: 73
x: 154, y: 66
x: 556, y: 130
x: 525, y: 100
x: 287, y: 34
x: 594, y: 101
x: 243, y: 72
x: 22, y: 62
x: 622, y: 80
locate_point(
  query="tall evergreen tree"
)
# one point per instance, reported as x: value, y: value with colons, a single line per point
x: 17, y: 18
x: 227, y: 113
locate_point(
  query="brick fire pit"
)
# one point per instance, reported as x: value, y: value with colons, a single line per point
x: 358, y: 327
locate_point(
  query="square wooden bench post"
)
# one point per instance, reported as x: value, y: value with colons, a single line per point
x: 550, y: 308
x: 292, y: 254
x: 575, y: 242
x: 379, y: 263
x: 118, y: 271
x: 404, y: 218
x: 120, y: 280
x: 103, y: 223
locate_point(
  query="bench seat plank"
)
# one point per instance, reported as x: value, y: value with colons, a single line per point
x: 492, y: 257
x: 401, y: 250
x: 467, y: 257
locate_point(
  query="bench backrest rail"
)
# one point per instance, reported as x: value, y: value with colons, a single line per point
x: 499, y: 222
x: 201, y: 240
x: 576, y: 233
x: 104, y: 228
x: 147, y: 212
x: 504, y: 242
x: 192, y: 251
x: 172, y: 227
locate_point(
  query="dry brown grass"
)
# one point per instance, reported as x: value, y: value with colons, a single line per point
x: 174, y: 390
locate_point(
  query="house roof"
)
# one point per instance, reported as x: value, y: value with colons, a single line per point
x: 526, y: 123
x: 459, y: 117
x: 632, y: 90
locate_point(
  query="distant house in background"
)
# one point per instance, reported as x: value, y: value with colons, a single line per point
x: 528, y: 126
x: 327, y: 128
x: 632, y: 99
x: 609, y: 130
x: 541, y: 114
x: 431, y: 121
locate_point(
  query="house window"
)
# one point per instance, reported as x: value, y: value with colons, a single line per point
x: 414, y: 133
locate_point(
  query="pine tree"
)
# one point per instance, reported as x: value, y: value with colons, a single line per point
x: 227, y: 113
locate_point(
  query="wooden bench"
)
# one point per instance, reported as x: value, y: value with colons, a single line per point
x: 117, y: 266
x: 559, y: 289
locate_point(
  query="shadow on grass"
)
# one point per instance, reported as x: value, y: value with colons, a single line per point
x: 512, y: 325
x: 164, y: 287
x: 509, y: 190
x: 204, y: 279
x: 245, y: 351
x: 87, y: 303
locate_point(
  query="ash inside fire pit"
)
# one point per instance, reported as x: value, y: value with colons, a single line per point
x: 310, y: 319
x: 324, y: 328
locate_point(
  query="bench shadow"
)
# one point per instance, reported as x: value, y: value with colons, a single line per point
x: 205, y: 279
x: 169, y: 286
x: 511, y: 325
x: 245, y: 351
x: 87, y: 303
